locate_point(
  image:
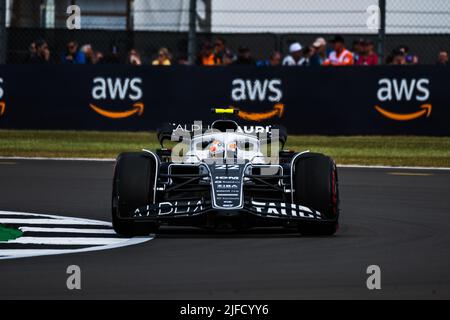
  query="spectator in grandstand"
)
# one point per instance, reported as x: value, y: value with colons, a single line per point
x: 31, y: 52
x: 32, y: 48
x: 41, y: 54
x: 373, y: 58
x: 134, y: 58
x: 219, y: 50
x: 367, y: 57
x: 183, y: 60
x: 99, y: 57
x: 319, y: 52
x: 206, y: 56
x: 442, y: 58
x: 295, y: 55
x: 357, y: 49
x: 244, y: 57
x: 273, y: 61
x: 396, y: 57
x: 73, y: 55
x: 164, y: 58
x: 88, y: 53
x: 113, y: 57
x: 409, y: 58
x: 212, y: 55
x: 340, y: 56
x: 307, y: 53
x: 228, y: 58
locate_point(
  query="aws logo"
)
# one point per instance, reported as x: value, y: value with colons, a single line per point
x: 2, y: 102
x: 404, y: 91
x: 117, y: 89
x: 258, y: 91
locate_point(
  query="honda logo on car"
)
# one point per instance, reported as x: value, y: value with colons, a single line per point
x: 248, y: 90
x: 2, y: 103
x: 117, y: 89
x: 403, y: 90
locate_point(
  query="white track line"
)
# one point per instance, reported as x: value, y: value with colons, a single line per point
x: 67, y: 230
x: 56, y: 218
x: 391, y: 167
x: 25, y: 253
x: 65, y: 241
x: 339, y: 165
x: 60, y: 159
x: 94, y: 244
x: 50, y: 221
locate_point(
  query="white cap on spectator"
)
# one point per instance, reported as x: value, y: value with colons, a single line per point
x: 319, y: 42
x: 295, y: 47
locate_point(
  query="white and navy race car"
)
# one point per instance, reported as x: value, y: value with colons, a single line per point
x: 223, y: 178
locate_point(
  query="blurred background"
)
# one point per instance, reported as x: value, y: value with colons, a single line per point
x: 189, y: 31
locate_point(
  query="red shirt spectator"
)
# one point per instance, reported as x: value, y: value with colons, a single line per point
x: 369, y: 60
x: 368, y: 56
x: 442, y: 58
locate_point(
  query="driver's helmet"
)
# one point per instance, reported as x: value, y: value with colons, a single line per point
x: 216, y: 147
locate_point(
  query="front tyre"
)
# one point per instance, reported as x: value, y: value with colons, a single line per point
x: 316, y: 186
x: 133, y: 187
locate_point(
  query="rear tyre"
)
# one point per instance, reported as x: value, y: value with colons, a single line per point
x: 316, y: 186
x: 133, y: 187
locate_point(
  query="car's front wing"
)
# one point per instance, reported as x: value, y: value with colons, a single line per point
x: 164, y: 211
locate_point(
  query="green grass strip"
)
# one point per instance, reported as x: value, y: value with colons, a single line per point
x: 364, y: 150
x: 9, y: 233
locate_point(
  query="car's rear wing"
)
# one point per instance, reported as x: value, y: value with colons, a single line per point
x: 181, y: 132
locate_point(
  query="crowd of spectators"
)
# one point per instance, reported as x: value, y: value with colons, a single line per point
x: 320, y: 53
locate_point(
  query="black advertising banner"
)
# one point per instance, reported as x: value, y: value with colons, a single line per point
x: 326, y: 100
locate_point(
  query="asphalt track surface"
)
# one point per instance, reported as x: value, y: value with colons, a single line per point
x: 396, y: 219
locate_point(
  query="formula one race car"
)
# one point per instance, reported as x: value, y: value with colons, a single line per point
x: 222, y: 179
